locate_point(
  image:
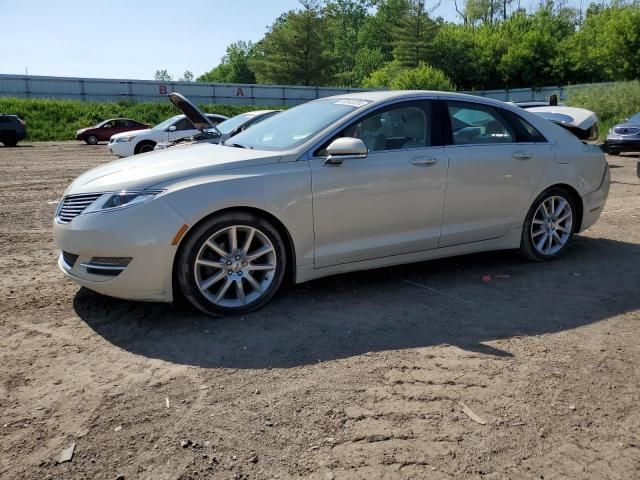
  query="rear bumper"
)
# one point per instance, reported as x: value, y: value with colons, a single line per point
x: 593, y: 203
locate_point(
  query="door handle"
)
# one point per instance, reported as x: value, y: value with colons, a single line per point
x: 424, y: 162
x: 521, y: 155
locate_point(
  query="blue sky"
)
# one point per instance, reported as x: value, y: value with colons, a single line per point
x: 131, y: 39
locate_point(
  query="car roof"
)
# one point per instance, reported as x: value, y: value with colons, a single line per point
x: 380, y: 96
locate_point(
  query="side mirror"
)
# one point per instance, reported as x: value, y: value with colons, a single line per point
x: 172, y: 128
x: 345, y: 148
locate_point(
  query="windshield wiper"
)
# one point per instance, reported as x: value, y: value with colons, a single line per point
x: 237, y: 145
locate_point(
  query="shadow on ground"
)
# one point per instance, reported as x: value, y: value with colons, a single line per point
x: 438, y: 302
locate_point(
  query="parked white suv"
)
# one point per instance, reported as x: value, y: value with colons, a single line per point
x: 141, y: 141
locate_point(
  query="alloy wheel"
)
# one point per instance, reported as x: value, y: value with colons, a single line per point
x: 235, y: 266
x: 551, y: 225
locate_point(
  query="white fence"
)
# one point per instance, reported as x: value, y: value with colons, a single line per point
x: 112, y: 90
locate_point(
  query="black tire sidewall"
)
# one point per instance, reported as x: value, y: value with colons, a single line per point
x: 191, y: 246
x: 527, y: 247
x: 142, y: 145
x: 90, y: 140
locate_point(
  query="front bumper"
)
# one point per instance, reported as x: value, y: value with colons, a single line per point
x: 593, y: 203
x: 122, y: 149
x: 622, y: 144
x: 142, y: 232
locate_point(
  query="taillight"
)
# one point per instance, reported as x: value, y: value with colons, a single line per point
x: 22, y: 122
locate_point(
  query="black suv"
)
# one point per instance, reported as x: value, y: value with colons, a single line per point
x: 12, y: 129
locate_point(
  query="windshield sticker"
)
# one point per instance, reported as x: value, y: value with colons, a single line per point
x: 352, y: 102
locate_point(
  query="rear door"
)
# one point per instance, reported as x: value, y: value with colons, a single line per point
x: 496, y: 161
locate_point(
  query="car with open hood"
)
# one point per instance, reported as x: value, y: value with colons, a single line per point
x: 338, y: 184
x: 218, y: 133
x: 142, y: 141
x: 624, y: 137
x: 581, y: 122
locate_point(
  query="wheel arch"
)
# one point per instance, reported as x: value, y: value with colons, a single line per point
x: 576, y: 198
x: 136, y: 149
x: 271, y: 218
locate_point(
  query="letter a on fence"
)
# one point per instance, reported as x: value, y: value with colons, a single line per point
x: 239, y: 92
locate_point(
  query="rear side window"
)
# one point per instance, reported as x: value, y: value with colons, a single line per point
x: 474, y: 123
x: 525, y: 132
x: 5, y: 120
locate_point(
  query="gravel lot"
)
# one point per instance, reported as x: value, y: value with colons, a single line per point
x: 358, y: 376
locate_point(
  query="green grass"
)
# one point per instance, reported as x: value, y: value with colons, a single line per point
x: 51, y: 120
x: 611, y: 102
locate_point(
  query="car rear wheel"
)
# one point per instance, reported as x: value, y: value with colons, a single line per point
x: 232, y: 264
x: 9, y: 140
x: 144, y: 147
x: 92, y: 140
x: 549, y: 226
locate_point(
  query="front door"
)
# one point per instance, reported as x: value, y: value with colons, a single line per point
x: 389, y: 203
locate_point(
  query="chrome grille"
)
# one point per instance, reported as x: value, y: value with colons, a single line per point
x: 626, y: 130
x: 74, y: 205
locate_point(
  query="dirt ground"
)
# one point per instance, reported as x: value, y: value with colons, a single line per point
x: 359, y: 376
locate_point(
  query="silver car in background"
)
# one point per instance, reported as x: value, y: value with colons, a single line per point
x: 335, y: 185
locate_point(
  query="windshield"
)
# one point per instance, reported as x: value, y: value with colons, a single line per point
x: 230, y: 125
x: 295, y: 126
x: 634, y: 119
x: 165, y: 124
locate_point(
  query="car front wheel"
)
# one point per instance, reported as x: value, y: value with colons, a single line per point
x: 232, y: 264
x: 92, y: 140
x: 549, y: 226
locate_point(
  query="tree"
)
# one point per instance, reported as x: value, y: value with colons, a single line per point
x: 344, y: 20
x: 398, y: 77
x: 187, y: 76
x: 292, y: 52
x: 162, y: 76
x: 234, y: 66
x: 423, y: 77
x: 412, y: 35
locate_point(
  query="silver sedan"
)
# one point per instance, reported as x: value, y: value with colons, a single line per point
x: 335, y: 185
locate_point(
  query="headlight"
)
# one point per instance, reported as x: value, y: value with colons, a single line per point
x: 610, y: 132
x: 125, y: 139
x: 114, y: 201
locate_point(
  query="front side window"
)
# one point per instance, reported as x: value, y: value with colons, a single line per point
x: 110, y: 124
x: 401, y: 126
x: 473, y: 123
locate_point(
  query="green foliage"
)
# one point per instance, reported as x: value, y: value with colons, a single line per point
x: 607, y: 46
x: 59, y: 119
x: 423, y: 77
x: 499, y: 45
x: 612, y: 102
x: 233, y: 67
x: 162, y: 76
x: 413, y: 34
x: 292, y: 51
x: 397, y: 77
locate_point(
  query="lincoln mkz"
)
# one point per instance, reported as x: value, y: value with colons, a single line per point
x: 338, y: 184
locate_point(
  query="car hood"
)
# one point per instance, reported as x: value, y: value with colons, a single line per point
x: 569, y: 116
x: 129, y: 133
x: 143, y: 171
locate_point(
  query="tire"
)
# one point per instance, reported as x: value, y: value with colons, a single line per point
x: 560, y: 226
x: 236, y: 280
x: 614, y: 152
x: 144, y: 147
x: 9, y: 140
x: 91, y: 139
